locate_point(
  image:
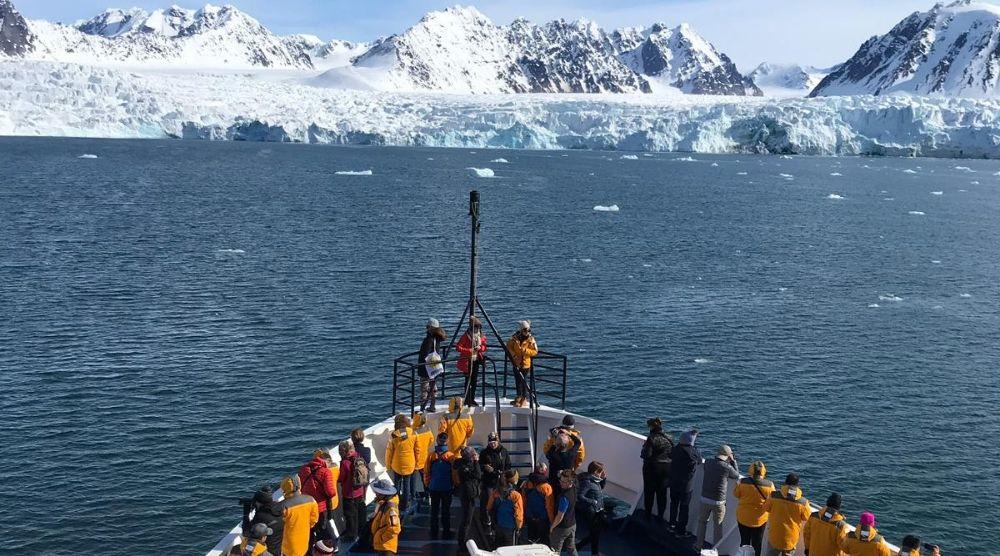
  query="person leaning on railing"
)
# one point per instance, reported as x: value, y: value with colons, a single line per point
x: 826, y: 529
x: 429, y: 349
x: 471, y: 349
x: 401, y: 459
x: 752, y: 493
x: 911, y: 547
x: 865, y: 540
x: 522, y: 348
x: 684, y: 461
x: 458, y: 425
x: 789, y: 510
x: 655, y: 456
x: 714, y: 486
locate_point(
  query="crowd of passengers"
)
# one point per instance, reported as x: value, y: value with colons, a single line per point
x: 500, y: 508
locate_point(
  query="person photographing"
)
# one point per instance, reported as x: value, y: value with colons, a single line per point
x: 522, y: 347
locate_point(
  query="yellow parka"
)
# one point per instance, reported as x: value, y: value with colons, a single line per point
x: 825, y: 533
x: 458, y: 426
x: 872, y: 544
x: 522, y: 351
x: 425, y: 439
x: 788, y: 512
x: 401, y: 452
x: 750, y: 511
x: 581, y: 454
x: 258, y: 548
x: 386, y: 525
x: 301, y: 514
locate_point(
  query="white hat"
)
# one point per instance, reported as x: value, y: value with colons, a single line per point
x: 524, y: 324
x: 433, y: 323
x: 384, y: 487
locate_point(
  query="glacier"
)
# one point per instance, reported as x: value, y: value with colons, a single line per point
x: 58, y: 99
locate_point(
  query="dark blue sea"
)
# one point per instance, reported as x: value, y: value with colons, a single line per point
x: 183, y: 321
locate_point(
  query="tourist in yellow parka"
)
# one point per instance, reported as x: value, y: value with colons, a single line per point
x: 789, y: 511
x: 301, y: 513
x: 458, y: 426
x: 386, y: 523
x: 865, y: 540
x: 401, y: 459
x: 425, y: 439
x: 752, y: 493
x: 826, y: 529
x: 522, y: 347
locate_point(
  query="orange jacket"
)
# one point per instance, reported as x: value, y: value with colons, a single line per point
x: 514, y: 497
x: 581, y: 454
x: 825, y: 533
x: 750, y: 510
x: 301, y: 514
x: 788, y: 513
x: 522, y: 351
x: 386, y: 526
x: 545, y: 489
x: 425, y: 441
x: 872, y: 544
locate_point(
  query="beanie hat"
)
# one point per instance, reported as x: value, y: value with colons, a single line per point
x: 725, y: 450
x: 524, y: 325
x: 757, y: 469
x: 433, y: 323
x: 569, y: 421
x: 291, y: 484
x: 867, y: 519
x: 493, y: 436
x: 442, y: 436
x: 834, y: 501
x: 260, y: 530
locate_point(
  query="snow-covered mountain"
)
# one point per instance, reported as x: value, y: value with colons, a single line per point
x: 787, y: 80
x: 460, y: 50
x: 212, y: 37
x: 15, y: 36
x: 952, y: 50
x: 325, y: 54
x: 681, y: 58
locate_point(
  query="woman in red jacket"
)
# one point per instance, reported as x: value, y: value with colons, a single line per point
x: 470, y: 359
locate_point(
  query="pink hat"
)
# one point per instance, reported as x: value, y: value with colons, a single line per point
x: 867, y: 518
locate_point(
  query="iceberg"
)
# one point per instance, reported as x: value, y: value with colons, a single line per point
x: 835, y: 197
x: 481, y: 172
x: 630, y: 157
x: 604, y: 208
x: 60, y: 99
x: 500, y: 161
x: 87, y: 156
x: 916, y: 213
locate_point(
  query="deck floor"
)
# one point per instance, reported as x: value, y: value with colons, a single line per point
x: 636, y: 536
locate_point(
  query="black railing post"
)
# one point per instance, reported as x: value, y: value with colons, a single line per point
x: 413, y: 389
x: 563, y: 407
x: 395, y: 383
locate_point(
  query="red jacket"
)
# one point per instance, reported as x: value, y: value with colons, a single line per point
x: 465, y: 351
x: 317, y: 481
x: 346, y: 480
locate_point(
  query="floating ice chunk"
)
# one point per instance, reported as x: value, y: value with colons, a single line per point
x: 685, y: 159
x: 889, y: 199
x: 964, y: 169
x: 786, y: 157
x: 937, y: 192
x: 231, y: 251
x: 965, y: 191
x: 834, y: 197
x: 586, y: 260
x: 702, y: 360
x: 481, y: 172
x: 786, y: 176
x: 500, y: 161
x: 354, y: 173
x: 935, y: 262
x: 873, y: 305
x: 90, y: 156
x: 890, y: 297
x: 996, y: 173
x: 715, y: 164
x: 630, y: 157
x: 916, y: 213
x: 741, y: 173
x: 647, y: 265
x: 606, y: 208
x: 782, y: 289
x: 974, y: 183
x: 430, y: 158
x: 909, y: 171
x: 836, y: 174
x: 647, y: 155
x: 965, y: 295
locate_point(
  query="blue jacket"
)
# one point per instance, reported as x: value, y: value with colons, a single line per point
x: 591, y: 494
x: 441, y: 467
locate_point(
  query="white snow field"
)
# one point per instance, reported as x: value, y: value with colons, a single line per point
x: 58, y: 99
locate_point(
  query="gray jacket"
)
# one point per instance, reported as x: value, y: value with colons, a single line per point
x: 715, y: 484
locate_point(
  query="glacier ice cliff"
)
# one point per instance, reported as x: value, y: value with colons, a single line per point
x: 54, y: 99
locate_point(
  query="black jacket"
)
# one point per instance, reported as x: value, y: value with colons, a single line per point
x: 499, y: 459
x: 272, y: 514
x: 429, y: 345
x: 684, y: 459
x: 470, y: 477
x: 657, y: 448
x: 559, y: 460
x: 364, y: 451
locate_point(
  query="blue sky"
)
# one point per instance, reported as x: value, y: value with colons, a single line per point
x: 817, y: 32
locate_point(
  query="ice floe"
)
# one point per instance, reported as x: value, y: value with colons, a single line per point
x: 89, y: 156
x: 916, y: 213
x: 974, y: 183
x: 937, y: 193
x: 630, y: 157
x: 354, y: 172
x: 836, y: 174
x: 231, y: 251
x: 890, y: 297
x: 685, y: 159
x: 965, y: 295
x: 909, y: 171
x: 741, y: 173
x: 873, y: 305
x: 606, y: 208
x: 787, y: 176
x: 964, y: 169
x: 835, y: 197
x: 715, y: 164
x: 500, y: 161
x: 702, y: 360
x: 482, y: 172
x: 935, y: 262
